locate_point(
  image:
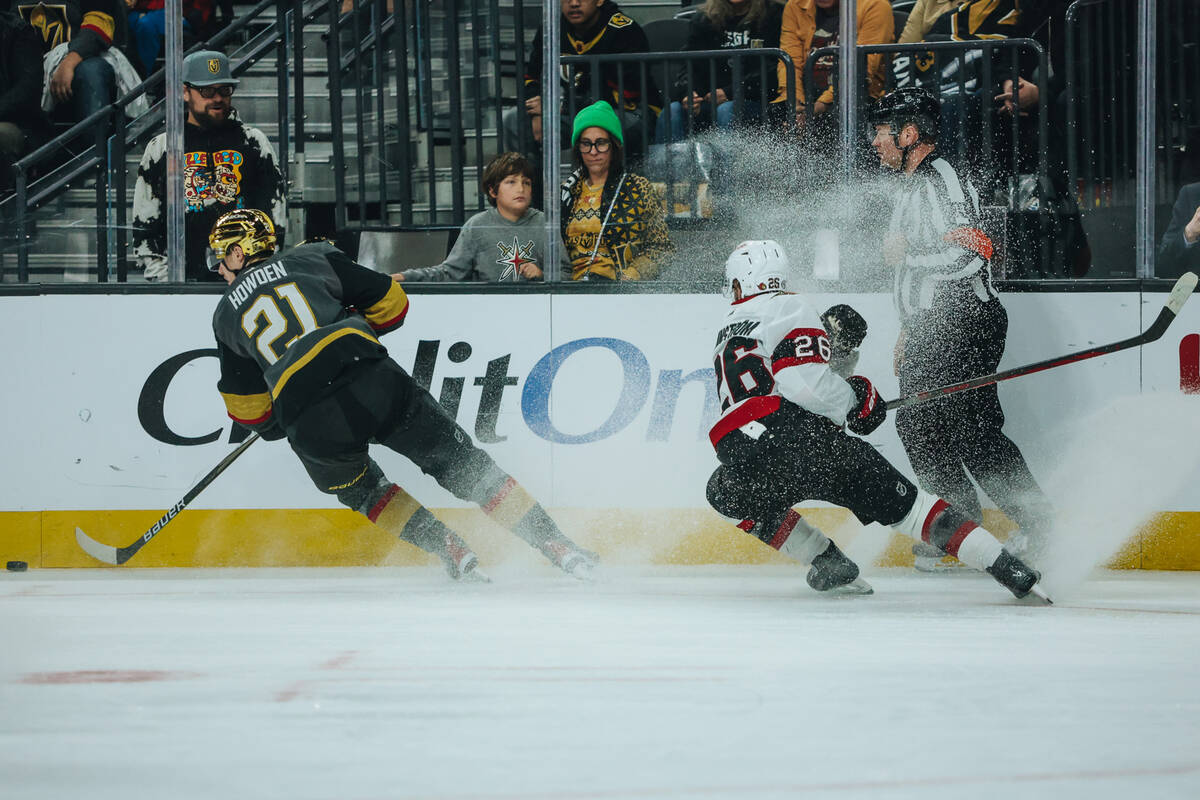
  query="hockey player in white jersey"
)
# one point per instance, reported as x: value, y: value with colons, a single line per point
x: 782, y: 438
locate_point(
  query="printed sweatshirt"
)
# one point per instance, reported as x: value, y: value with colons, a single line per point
x: 224, y: 168
x: 490, y: 248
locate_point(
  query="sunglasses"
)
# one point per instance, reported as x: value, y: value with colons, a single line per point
x: 600, y: 145
x: 209, y: 92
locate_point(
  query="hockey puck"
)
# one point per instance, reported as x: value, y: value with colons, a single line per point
x: 16, y: 566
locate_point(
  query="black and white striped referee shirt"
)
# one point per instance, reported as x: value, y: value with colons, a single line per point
x: 937, y: 212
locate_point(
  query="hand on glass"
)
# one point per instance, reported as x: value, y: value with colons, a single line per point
x: 693, y: 103
x: 1027, y: 95
x: 1191, y: 231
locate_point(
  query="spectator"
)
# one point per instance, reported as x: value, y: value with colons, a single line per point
x: 84, y: 67
x: 226, y: 165
x: 503, y: 243
x: 147, y: 25
x: 720, y: 25
x: 1179, y: 250
x: 921, y: 18
x: 812, y: 24
x: 589, y: 27
x: 981, y: 20
x: 613, y: 221
x: 1048, y: 242
x: 21, y: 122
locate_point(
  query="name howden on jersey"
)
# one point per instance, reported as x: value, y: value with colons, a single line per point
x: 254, y: 279
x: 655, y: 397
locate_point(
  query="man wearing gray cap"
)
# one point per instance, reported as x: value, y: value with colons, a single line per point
x: 226, y: 165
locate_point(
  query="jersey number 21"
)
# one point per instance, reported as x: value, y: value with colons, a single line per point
x: 267, y: 321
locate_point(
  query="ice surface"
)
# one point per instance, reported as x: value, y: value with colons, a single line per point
x: 704, y: 682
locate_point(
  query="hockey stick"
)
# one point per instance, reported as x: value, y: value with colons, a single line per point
x: 119, y: 555
x: 1179, y: 294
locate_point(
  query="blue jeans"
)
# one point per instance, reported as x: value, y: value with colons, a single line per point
x: 94, y: 87
x: 678, y: 119
x: 147, y: 29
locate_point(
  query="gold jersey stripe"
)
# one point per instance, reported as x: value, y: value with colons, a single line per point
x: 393, y: 306
x: 248, y: 408
x: 303, y: 360
x: 101, y: 23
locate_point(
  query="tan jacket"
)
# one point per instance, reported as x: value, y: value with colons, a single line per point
x: 922, y: 17
x: 876, y: 25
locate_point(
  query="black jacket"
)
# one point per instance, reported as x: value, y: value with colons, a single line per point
x: 91, y: 26
x: 1175, y: 257
x: 21, y: 78
x: 612, y: 32
x: 703, y: 34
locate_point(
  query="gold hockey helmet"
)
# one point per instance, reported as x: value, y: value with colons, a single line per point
x: 247, y: 227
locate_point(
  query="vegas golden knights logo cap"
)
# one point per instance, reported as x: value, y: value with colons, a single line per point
x: 208, y: 68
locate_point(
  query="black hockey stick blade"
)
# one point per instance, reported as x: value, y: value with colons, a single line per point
x: 119, y: 555
x: 1179, y: 294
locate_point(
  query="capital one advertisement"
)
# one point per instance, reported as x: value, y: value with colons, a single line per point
x: 592, y: 402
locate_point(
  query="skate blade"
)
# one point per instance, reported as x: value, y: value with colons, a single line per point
x: 1037, y: 592
x: 474, y: 575
x: 855, y: 587
x: 583, y: 571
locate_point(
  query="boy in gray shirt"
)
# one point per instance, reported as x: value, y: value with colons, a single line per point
x: 503, y: 243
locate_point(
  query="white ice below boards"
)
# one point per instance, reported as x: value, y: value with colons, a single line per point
x: 733, y: 683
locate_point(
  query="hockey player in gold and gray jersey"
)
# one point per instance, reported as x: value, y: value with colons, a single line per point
x: 297, y: 335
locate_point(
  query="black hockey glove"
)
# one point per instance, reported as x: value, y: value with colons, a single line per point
x: 270, y: 430
x: 846, y: 329
x: 869, y: 411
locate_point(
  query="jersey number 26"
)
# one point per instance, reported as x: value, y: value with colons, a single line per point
x: 741, y: 371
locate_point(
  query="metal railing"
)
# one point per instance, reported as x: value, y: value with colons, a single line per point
x: 1101, y: 97
x: 109, y: 168
x: 686, y: 80
x: 952, y: 59
x: 386, y: 164
x: 384, y: 183
x: 964, y: 75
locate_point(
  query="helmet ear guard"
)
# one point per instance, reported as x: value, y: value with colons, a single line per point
x: 248, y: 228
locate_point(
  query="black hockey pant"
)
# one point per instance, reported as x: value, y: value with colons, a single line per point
x: 377, y: 401
x: 803, y: 456
x: 947, y: 438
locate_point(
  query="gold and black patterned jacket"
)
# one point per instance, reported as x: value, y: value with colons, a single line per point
x: 635, y: 235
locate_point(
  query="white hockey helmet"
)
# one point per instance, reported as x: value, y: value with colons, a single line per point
x: 757, y: 266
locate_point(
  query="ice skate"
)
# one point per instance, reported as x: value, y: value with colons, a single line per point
x: 1018, y: 577
x: 460, y: 561
x: 833, y: 573
x: 927, y: 558
x: 1026, y: 544
x: 570, y: 557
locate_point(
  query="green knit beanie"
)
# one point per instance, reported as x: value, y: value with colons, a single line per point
x: 601, y: 115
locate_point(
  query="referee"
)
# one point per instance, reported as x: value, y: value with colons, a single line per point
x: 953, y: 327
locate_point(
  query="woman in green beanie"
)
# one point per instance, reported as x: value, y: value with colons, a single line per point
x: 613, y: 222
